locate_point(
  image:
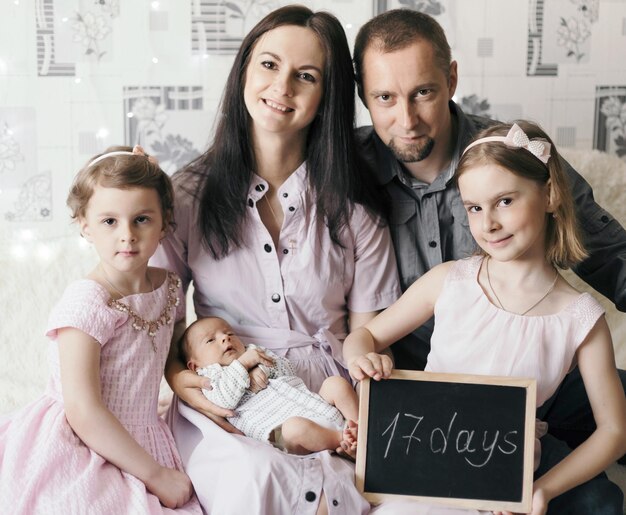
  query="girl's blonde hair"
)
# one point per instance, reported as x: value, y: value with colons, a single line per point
x: 121, y: 171
x: 564, y: 247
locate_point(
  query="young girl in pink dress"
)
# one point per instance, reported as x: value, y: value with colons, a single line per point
x: 93, y: 443
x: 508, y: 312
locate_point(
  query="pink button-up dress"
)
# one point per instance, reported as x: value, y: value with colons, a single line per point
x: 294, y: 300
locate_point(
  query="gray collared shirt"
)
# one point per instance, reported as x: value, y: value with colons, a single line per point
x: 428, y: 221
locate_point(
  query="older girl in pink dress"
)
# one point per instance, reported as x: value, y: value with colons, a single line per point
x: 93, y: 443
x: 508, y: 312
x: 277, y: 229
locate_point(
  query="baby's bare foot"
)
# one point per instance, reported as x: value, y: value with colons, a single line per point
x: 351, y: 431
x: 347, y: 446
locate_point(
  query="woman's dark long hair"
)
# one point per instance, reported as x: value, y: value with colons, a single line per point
x: 225, y: 168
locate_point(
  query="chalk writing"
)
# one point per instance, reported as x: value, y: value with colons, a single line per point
x: 411, y: 436
x: 459, y: 440
x: 477, y: 447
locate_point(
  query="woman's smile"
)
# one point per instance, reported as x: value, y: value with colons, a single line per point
x: 277, y: 106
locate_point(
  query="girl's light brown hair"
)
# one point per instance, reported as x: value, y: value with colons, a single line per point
x: 121, y: 171
x: 564, y: 247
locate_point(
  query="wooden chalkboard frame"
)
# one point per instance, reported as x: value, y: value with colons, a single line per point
x: 523, y: 506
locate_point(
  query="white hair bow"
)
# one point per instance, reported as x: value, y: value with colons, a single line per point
x: 517, y: 138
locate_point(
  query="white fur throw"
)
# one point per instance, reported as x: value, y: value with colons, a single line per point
x: 607, y: 176
x: 29, y: 287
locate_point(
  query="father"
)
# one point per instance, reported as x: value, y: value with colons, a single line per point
x: 406, y: 79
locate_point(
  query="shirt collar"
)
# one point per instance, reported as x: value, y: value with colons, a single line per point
x: 295, y: 183
x: 388, y: 167
x: 462, y: 123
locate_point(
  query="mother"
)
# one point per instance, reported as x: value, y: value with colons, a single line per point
x: 280, y: 234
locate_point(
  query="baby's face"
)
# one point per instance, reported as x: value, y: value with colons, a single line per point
x: 213, y: 341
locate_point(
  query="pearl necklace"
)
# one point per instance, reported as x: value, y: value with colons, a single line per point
x: 556, y: 277
x: 139, y: 323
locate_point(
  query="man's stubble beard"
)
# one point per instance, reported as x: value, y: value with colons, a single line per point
x: 413, y: 153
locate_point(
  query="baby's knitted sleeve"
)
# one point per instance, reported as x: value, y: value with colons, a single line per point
x: 282, y: 367
x: 228, y: 383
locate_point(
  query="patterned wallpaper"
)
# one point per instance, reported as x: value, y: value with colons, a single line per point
x: 79, y: 75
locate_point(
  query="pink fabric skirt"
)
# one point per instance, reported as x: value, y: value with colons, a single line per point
x: 46, y: 469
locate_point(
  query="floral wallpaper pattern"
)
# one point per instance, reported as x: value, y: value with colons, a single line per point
x: 574, y: 31
x: 10, y: 152
x: 431, y: 7
x: 219, y: 26
x: 89, y: 30
x: 25, y: 192
x: 471, y: 104
x: 47, y: 63
x: 77, y: 76
x: 154, y: 112
x: 610, y: 123
x: 73, y: 31
x: 33, y: 202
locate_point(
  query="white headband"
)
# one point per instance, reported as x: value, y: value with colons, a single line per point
x: 517, y: 138
x: 110, y: 154
x: 137, y: 151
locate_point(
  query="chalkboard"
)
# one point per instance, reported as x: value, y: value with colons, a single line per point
x: 458, y: 440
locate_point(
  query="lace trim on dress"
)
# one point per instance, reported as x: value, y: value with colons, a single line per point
x: 586, y: 310
x: 165, y: 318
x: 464, y: 268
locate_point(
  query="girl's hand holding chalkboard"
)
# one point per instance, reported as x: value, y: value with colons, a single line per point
x: 539, y: 507
x: 540, y: 503
x: 374, y: 365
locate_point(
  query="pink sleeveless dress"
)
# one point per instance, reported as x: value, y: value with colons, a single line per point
x: 473, y: 336
x: 44, y: 467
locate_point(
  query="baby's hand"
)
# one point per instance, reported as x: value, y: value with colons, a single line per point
x: 172, y: 487
x: 253, y: 357
x: 258, y: 379
x: 376, y: 366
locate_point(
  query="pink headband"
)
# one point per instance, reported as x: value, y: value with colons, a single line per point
x: 517, y: 138
x: 137, y: 151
